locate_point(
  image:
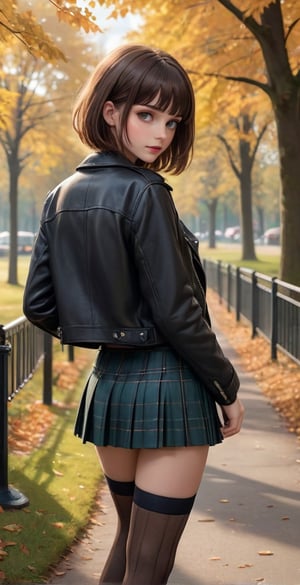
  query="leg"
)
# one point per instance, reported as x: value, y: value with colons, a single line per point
x: 119, y: 468
x: 167, y: 480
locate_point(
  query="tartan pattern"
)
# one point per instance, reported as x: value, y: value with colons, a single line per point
x: 146, y: 399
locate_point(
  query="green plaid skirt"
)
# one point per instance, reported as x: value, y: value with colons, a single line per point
x: 146, y: 398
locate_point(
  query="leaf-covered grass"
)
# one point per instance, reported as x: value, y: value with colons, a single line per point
x: 268, y: 257
x: 60, y: 475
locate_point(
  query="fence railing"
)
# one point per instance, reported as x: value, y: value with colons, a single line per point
x: 22, y: 348
x: 271, y: 306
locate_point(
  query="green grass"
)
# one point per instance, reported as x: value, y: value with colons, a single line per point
x: 268, y: 257
x: 11, y: 295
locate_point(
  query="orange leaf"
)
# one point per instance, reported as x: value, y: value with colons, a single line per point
x: 24, y: 549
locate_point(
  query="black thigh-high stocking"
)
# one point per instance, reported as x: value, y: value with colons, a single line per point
x: 157, y: 523
x: 122, y: 495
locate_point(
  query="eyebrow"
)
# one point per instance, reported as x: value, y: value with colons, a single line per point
x: 158, y: 110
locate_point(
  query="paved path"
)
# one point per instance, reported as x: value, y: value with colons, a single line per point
x: 248, y: 504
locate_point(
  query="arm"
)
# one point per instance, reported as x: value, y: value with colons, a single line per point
x: 39, y: 303
x: 167, y: 286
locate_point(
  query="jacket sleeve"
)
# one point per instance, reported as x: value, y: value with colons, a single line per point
x: 39, y: 303
x: 167, y: 285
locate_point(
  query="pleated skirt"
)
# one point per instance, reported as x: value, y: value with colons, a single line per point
x: 146, y: 398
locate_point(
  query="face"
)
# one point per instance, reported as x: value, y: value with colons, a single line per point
x: 149, y: 131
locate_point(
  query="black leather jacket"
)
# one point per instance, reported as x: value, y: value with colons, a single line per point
x: 112, y: 263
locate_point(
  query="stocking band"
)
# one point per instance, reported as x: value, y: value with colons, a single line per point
x: 162, y: 504
x: 122, y: 488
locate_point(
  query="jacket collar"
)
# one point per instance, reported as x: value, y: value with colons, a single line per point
x: 104, y: 159
x: 114, y: 159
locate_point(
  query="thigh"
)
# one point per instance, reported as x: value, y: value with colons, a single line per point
x: 171, y: 471
x: 118, y: 463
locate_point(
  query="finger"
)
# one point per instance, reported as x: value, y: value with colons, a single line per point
x: 231, y: 428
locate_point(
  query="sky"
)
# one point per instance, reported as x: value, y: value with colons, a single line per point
x: 114, y: 30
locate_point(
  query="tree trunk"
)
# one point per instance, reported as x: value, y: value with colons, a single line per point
x: 288, y: 126
x: 14, y: 172
x: 212, y: 208
x: 248, y: 250
x: 285, y: 96
x: 261, y: 220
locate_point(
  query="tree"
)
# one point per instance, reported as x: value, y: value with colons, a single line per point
x: 36, y: 122
x: 242, y: 161
x: 24, y: 25
x: 282, y: 87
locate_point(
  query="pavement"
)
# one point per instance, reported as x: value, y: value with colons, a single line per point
x: 245, y: 525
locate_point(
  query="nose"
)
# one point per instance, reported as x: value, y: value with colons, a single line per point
x: 161, y: 130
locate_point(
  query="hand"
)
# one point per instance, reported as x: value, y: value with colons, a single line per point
x: 233, y: 418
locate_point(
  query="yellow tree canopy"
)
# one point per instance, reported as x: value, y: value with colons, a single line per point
x: 16, y: 20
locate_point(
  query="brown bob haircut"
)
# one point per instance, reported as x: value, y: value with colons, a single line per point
x: 137, y: 74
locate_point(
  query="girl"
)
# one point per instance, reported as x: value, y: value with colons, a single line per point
x: 114, y: 268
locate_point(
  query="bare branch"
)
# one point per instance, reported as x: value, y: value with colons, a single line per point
x: 258, y: 140
x: 230, y: 155
x: 291, y: 28
x: 266, y: 88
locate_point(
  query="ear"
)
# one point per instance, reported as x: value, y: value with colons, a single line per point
x: 110, y: 113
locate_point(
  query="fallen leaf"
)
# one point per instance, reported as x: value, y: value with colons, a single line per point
x: 259, y: 579
x: 60, y: 573
x: 224, y: 501
x: 5, y: 543
x: 31, y: 568
x: 214, y: 558
x: 207, y: 520
x: 285, y: 518
x: 3, y: 554
x: 24, y: 549
x: 245, y: 566
x: 58, y: 473
x: 13, y: 527
x: 265, y: 553
x: 58, y: 524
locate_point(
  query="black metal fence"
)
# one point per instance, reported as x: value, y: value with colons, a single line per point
x: 269, y: 304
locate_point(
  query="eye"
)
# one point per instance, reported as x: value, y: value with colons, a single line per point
x: 146, y: 116
x: 172, y: 124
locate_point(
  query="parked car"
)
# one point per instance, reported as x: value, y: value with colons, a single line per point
x: 233, y: 232
x: 272, y: 236
x: 25, y: 242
